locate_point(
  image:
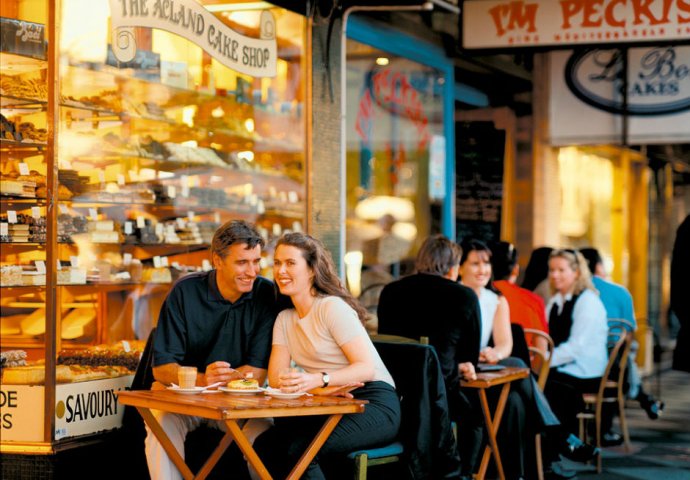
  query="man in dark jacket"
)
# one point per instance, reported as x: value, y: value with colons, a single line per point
x: 680, y: 300
x: 431, y: 303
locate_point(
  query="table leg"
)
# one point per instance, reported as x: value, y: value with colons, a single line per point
x: 247, y: 449
x: 168, y: 446
x: 315, y: 446
x: 492, y: 428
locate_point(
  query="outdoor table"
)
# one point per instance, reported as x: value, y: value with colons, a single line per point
x: 230, y: 408
x: 483, y: 382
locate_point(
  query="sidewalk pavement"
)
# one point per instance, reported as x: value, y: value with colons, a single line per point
x: 660, y: 448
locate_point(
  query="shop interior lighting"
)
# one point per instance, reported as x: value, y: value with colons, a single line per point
x: 188, y: 114
x: 249, y: 125
x: 247, y: 155
x: 382, y: 61
x: 218, y: 112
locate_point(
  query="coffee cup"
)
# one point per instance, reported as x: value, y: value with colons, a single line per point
x: 186, y: 377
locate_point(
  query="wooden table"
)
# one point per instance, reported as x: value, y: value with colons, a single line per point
x: 483, y: 382
x: 231, y: 408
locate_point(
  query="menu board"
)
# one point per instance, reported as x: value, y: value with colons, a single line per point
x: 479, y: 180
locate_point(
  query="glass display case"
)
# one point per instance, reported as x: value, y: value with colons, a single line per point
x: 119, y: 161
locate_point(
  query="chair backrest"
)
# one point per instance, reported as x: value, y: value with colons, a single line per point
x: 425, y: 431
x: 541, y: 349
x: 143, y: 378
x: 618, y: 359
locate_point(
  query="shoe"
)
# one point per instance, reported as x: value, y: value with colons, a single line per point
x: 654, y: 409
x: 611, y: 439
x: 556, y: 472
x: 578, y: 451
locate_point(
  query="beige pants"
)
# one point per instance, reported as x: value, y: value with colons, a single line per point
x: 177, y: 427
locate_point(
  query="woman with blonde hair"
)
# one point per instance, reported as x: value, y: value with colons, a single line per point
x: 579, y: 329
x: 324, y: 336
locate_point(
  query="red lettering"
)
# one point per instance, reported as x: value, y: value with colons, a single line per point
x: 592, y: 7
x: 641, y: 9
x: 520, y: 15
x: 569, y: 9
x: 683, y: 6
x: 496, y: 14
x: 609, y: 14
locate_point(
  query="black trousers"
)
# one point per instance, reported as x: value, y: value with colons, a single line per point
x: 281, y: 446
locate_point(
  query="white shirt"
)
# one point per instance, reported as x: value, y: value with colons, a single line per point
x: 488, y: 304
x: 583, y: 354
x: 315, y: 341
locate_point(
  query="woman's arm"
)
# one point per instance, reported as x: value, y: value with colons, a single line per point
x: 279, y: 360
x: 503, y: 338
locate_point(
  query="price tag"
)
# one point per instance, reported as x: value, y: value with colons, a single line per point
x: 172, y: 193
x: 190, y: 216
x: 11, y: 216
x: 126, y: 259
x: 159, y: 229
x: 59, y: 265
x: 180, y: 222
x: 261, y: 207
x: 129, y: 228
x: 23, y: 169
x: 253, y: 199
x: 93, y: 213
x: 141, y: 222
x: 120, y: 179
x: 62, y: 207
x: 164, y: 261
x: 40, y: 267
x: 36, y: 212
x: 277, y: 230
x: 74, y: 261
x: 184, y: 185
x: 101, y: 176
x: 157, y: 261
x: 205, y: 265
x: 126, y: 347
x: 293, y: 197
x: 170, y: 229
x: 4, y: 229
x: 296, y: 227
x: 216, y: 217
x: 176, y: 265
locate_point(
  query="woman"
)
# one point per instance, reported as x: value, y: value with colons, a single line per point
x: 536, y: 276
x: 475, y: 272
x: 324, y: 335
x: 578, y: 326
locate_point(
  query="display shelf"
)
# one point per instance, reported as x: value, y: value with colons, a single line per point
x: 10, y: 102
x: 12, y: 144
x: 14, y: 64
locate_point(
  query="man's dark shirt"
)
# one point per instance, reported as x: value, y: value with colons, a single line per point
x: 197, y: 326
x: 438, y: 308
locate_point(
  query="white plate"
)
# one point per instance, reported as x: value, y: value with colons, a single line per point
x: 187, y: 391
x: 240, y: 391
x: 276, y: 393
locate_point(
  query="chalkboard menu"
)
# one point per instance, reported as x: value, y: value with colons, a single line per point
x: 479, y: 180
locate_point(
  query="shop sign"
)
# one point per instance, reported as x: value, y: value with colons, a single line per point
x: 189, y: 19
x: 660, y: 82
x: 80, y: 408
x: 587, y: 104
x: 532, y: 23
x: 23, y: 38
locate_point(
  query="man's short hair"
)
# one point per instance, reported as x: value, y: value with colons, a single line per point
x: 503, y: 259
x: 232, y: 232
x: 437, y: 255
x: 593, y: 258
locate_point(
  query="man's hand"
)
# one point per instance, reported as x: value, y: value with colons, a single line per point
x: 466, y: 371
x: 221, y: 372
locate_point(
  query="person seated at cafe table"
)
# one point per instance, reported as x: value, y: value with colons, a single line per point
x: 324, y: 336
x: 220, y: 322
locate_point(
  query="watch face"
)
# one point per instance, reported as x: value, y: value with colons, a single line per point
x: 325, y: 378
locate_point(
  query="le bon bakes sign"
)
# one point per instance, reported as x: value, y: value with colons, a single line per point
x: 507, y: 23
x: 188, y: 19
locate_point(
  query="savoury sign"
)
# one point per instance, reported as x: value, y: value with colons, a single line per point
x: 509, y: 23
x: 252, y: 56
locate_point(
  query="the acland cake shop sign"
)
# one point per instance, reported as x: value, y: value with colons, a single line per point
x: 189, y: 19
x: 658, y: 82
x: 508, y: 23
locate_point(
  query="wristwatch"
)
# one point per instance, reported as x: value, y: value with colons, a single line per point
x: 325, y: 378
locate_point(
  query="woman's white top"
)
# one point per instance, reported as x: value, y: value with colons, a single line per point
x: 315, y: 341
x: 584, y: 353
x: 488, y: 303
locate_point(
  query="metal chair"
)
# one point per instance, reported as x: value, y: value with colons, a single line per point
x: 540, y: 361
x: 611, y: 386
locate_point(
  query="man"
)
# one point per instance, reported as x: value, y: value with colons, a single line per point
x: 619, y: 304
x: 220, y: 322
x: 680, y: 300
x: 526, y: 308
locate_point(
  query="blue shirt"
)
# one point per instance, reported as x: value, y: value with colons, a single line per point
x: 616, y: 299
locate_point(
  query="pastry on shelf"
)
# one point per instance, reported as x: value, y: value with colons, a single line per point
x: 157, y: 275
x: 10, y: 275
x: 17, y: 188
x: 78, y: 323
x: 18, y: 86
x: 34, y: 324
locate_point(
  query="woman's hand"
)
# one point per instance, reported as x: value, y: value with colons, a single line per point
x: 337, y: 390
x: 293, y: 381
x: 466, y: 371
x: 489, y: 355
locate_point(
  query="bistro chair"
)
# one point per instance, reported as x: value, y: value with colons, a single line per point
x: 610, y: 388
x: 540, y: 361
